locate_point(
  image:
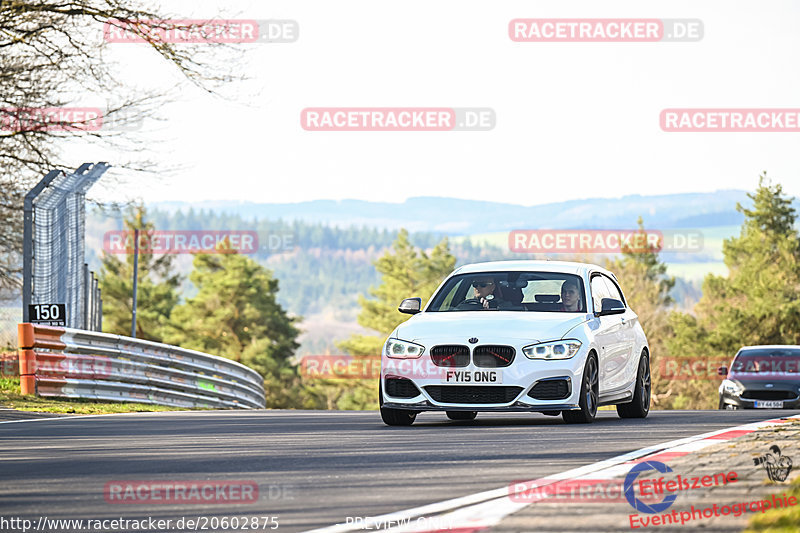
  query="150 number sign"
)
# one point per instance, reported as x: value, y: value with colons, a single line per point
x: 48, y: 314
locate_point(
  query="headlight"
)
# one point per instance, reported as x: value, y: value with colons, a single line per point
x: 731, y: 387
x: 553, y: 350
x: 397, y: 349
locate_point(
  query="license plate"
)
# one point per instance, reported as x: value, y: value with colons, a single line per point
x: 473, y: 376
x: 771, y: 404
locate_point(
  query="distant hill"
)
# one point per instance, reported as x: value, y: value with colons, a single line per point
x: 336, y: 242
x: 463, y: 217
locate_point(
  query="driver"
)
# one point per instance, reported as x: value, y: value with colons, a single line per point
x: 487, y: 293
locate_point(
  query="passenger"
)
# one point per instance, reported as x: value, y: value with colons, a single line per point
x: 570, y: 297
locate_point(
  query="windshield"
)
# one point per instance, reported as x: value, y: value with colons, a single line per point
x: 768, y: 360
x: 512, y: 291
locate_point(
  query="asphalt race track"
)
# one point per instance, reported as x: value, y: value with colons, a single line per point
x: 312, y: 468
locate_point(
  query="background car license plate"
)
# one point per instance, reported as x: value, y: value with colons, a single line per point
x: 473, y: 376
x: 771, y: 404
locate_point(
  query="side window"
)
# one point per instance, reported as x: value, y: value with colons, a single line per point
x: 613, y: 290
x: 599, y: 291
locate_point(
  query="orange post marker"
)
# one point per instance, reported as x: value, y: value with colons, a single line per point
x: 27, y: 371
x: 27, y: 338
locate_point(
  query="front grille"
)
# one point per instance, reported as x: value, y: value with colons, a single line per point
x: 401, y: 388
x: 491, y: 356
x: 769, y: 395
x: 551, y: 389
x: 450, y: 355
x: 472, y: 393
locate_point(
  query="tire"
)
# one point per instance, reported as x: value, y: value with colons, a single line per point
x: 721, y: 403
x: 590, y: 389
x: 640, y: 406
x: 462, y: 415
x: 395, y: 417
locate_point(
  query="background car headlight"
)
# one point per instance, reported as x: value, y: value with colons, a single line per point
x: 553, y: 350
x: 398, y: 349
x: 731, y: 387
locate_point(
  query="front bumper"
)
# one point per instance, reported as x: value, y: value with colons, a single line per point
x: 519, y: 407
x: 738, y: 402
x: 523, y: 373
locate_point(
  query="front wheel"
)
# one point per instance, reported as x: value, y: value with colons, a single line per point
x: 640, y: 406
x: 461, y: 415
x: 395, y: 417
x: 590, y: 390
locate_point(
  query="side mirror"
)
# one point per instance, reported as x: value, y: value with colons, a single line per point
x: 410, y: 306
x: 610, y: 306
x: 722, y: 371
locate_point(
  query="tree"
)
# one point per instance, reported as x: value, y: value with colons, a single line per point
x: 759, y: 301
x: 647, y: 288
x: 405, y: 272
x: 156, y: 292
x: 235, y: 315
x: 51, y: 56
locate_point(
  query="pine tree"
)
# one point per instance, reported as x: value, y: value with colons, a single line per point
x: 157, y: 285
x: 405, y: 272
x: 643, y: 277
x: 759, y: 301
x: 235, y: 315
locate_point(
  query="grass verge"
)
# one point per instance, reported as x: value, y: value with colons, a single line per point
x: 10, y: 397
x: 782, y: 520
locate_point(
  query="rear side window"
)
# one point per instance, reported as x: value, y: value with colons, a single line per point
x: 599, y: 291
x: 613, y: 290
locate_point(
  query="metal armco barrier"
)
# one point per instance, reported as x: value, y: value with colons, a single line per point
x: 74, y: 363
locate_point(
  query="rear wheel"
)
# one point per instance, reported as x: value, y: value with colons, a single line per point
x: 590, y: 390
x: 462, y: 415
x: 395, y: 417
x: 640, y: 406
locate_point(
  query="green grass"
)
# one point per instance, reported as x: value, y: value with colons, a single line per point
x: 782, y: 520
x: 11, y: 397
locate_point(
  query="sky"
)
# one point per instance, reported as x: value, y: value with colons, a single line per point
x: 573, y: 120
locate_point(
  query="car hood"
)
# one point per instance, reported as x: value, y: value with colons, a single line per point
x: 537, y: 327
x: 764, y: 380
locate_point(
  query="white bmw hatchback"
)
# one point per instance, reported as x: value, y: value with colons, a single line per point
x: 544, y: 336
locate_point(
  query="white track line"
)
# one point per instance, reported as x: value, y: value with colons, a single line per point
x: 485, y: 509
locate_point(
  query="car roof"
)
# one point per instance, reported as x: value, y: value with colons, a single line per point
x: 761, y: 346
x: 563, y: 267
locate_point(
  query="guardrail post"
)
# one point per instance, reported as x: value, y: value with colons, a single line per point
x: 27, y: 359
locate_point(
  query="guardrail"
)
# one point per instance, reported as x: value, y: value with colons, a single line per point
x: 74, y: 363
